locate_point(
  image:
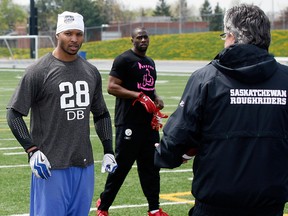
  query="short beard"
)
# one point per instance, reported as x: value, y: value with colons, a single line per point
x: 142, y: 49
x: 69, y: 53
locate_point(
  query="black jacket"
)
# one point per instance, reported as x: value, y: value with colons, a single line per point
x: 234, y: 110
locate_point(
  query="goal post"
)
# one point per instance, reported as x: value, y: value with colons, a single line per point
x: 23, y: 41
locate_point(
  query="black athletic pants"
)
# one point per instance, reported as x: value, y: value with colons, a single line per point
x: 134, y: 143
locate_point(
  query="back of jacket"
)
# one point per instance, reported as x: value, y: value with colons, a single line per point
x: 235, y: 112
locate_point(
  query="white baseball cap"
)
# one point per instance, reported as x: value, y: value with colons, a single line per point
x: 69, y: 20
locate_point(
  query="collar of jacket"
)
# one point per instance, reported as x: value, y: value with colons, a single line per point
x: 245, y: 62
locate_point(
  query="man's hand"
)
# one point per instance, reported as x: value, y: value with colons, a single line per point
x: 39, y: 164
x: 109, y: 163
x: 156, y: 122
x: 146, y: 102
x: 189, y: 154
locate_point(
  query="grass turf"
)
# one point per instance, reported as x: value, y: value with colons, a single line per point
x: 15, y: 172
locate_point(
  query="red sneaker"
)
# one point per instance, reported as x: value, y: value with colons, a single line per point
x: 100, y: 212
x: 159, y: 213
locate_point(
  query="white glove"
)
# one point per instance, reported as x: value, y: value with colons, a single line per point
x: 187, y: 157
x: 40, y: 165
x: 109, y: 163
x: 189, y: 154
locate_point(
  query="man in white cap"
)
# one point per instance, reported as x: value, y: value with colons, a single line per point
x: 61, y: 89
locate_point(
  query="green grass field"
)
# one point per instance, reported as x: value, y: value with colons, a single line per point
x: 175, y: 184
x: 188, y: 46
x: 15, y: 172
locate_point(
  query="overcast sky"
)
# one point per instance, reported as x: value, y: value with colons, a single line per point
x: 266, y: 5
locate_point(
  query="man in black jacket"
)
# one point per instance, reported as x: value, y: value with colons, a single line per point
x: 234, y: 113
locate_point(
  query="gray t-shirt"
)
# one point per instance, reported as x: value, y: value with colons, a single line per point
x: 61, y: 96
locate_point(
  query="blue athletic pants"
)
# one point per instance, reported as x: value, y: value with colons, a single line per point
x: 68, y: 192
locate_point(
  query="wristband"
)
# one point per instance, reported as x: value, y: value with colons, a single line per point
x: 31, y: 153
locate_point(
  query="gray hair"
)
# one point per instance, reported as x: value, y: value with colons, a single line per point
x: 249, y: 25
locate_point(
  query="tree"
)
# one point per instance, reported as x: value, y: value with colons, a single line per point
x: 162, y: 9
x: 47, y: 14
x: 282, y: 21
x: 10, y: 15
x: 206, y: 11
x: 116, y: 12
x: 93, y: 11
x: 216, y: 22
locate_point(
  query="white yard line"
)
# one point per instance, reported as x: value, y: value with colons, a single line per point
x: 124, y: 206
x: 97, y: 162
x: 14, y: 166
x: 15, y: 153
x: 10, y: 148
